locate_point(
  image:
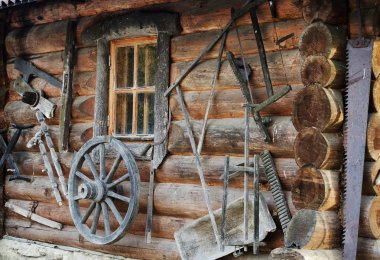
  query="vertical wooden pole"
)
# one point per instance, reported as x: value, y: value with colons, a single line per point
x: 67, y: 88
x: 102, y: 86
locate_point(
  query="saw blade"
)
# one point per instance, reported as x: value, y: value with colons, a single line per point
x: 357, y: 99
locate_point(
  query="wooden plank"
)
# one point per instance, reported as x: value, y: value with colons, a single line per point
x: 225, y: 136
x: 281, y: 66
x: 187, y: 47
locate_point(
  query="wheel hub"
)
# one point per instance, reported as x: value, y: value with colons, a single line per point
x: 96, y: 190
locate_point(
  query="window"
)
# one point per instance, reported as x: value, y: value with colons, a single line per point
x: 132, y: 87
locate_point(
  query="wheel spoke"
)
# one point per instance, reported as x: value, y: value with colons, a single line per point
x: 106, y: 219
x: 113, y: 169
x: 102, y: 161
x: 118, y: 196
x: 95, y: 221
x: 88, y: 212
x: 118, y: 181
x: 92, y: 166
x: 82, y: 176
x: 114, y: 210
x: 77, y: 197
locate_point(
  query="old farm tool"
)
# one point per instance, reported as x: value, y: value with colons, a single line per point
x: 359, y: 53
x: 276, y: 190
x: 116, y: 190
x: 7, y: 150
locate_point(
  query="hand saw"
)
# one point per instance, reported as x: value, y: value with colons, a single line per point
x: 359, y: 53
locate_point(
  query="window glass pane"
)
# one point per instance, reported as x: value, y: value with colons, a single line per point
x: 150, y: 113
x: 140, y: 113
x: 124, y: 66
x: 146, y: 65
x: 124, y: 114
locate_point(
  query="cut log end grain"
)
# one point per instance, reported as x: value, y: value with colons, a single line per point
x: 327, y: 73
x: 375, y: 176
x: 315, y: 189
x: 318, y: 107
x: 331, y: 11
x: 369, y: 225
x: 321, y: 39
x: 304, y: 254
x: 376, y: 59
x: 322, y: 150
x: 373, y: 136
x: 375, y: 93
x: 310, y: 229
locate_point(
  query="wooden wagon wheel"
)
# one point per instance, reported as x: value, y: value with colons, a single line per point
x: 95, y: 192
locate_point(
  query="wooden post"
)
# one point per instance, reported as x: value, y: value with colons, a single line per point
x: 102, y: 87
x: 310, y: 229
x: 316, y: 189
x: 67, y: 88
x: 322, y: 150
x: 304, y: 254
x: 329, y: 11
x: 318, y: 107
x: 321, y: 39
x: 327, y: 73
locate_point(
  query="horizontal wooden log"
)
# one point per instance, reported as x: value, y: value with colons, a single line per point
x: 304, y: 254
x: 129, y: 246
x: 229, y: 103
x: 79, y: 134
x: 226, y: 136
x: 177, y: 200
x: 368, y: 248
x: 370, y: 23
x: 328, y: 11
x: 327, y: 73
x: 52, y: 63
x: 322, y: 39
x: 217, y: 19
x: 376, y: 59
x: 322, y: 150
x: 182, y: 169
x: 318, y: 107
x: 187, y: 47
x: 163, y: 226
x: 21, y: 113
x: 373, y: 136
x: 369, y: 223
x: 283, y: 67
x: 316, y: 189
x: 310, y: 229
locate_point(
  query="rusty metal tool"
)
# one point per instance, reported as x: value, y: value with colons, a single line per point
x: 359, y: 52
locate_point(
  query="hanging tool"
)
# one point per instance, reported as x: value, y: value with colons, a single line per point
x: 359, y: 53
x: 28, y: 69
x: 276, y: 190
x: 256, y: 213
x: 7, y: 150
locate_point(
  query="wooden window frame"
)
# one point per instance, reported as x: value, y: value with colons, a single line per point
x: 113, y: 91
x: 137, y: 24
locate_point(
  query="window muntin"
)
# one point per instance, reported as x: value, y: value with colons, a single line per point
x: 133, y: 69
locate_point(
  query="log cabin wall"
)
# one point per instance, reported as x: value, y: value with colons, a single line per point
x: 38, y: 34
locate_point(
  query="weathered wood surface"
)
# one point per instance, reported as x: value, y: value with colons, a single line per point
x: 369, y: 223
x: 79, y: 134
x: 21, y: 113
x: 375, y: 94
x: 365, y: 4
x: 310, y: 229
x: 226, y: 136
x: 370, y: 174
x: 322, y: 39
x: 280, y: 69
x: 228, y: 103
x: 286, y: 10
x: 370, y: 24
x: 316, y: 189
x: 52, y: 63
x: 328, y: 11
x: 177, y: 200
x: 322, y: 150
x: 305, y: 254
x: 319, y: 107
x: 373, y: 136
x: 3, y: 73
x: 376, y: 59
x: 368, y: 248
x: 328, y: 73
x: 187, y: 47
x: 163, y: 226
x: 129, y: 246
